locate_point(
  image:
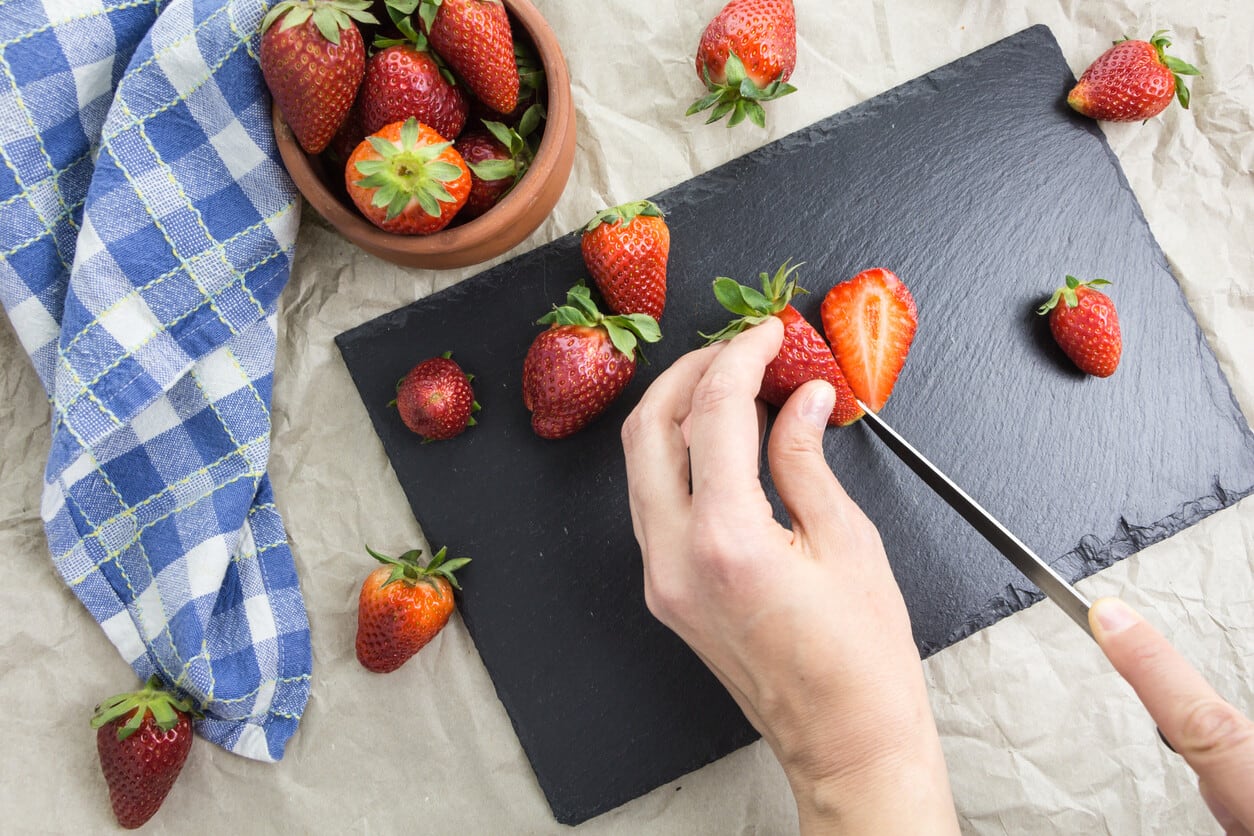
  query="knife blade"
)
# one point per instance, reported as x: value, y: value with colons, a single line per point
x: 1028, y: 562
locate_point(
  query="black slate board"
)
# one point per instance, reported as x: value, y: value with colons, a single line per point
x: 973, y: 179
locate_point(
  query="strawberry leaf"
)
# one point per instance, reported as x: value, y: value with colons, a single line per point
x: 730, y: 294
x: 490, y: 170
x: 531, y: 119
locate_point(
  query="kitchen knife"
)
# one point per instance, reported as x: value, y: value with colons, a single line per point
x: 1024, y: 559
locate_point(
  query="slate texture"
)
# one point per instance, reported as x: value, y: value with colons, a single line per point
x: 981, y: 190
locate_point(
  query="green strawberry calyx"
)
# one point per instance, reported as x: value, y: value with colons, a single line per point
x: 1067, y: 294
x: 737, y: 95
x: 330, y: 16
x: 624, y: 214
x: 154, y: 698
x: 407, y: 569
x: 520, y: 154
x: 1160, y: 42
x: 626, y: 331
x: 408, y: 171
x: 754, y: 307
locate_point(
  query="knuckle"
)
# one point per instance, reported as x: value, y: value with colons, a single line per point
x: 714, y: 390
x: 1212, y: 727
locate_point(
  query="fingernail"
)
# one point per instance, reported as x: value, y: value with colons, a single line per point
x: 818, y: 406
x: 1114, y: 616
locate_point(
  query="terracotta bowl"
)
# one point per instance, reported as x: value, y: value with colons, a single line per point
x: 497, y: 230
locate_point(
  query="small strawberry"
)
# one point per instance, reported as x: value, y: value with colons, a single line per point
x: 1132, y: 81
x: 474, y: 36
x: 435, y: 399
x: 143, y: 739
x: 1085, y: 326
x: 746, y: 54
x: 803, y: 356
x: 407, y: 179
x: 870, y: 322
x: 312, y: 59
x: 404, y: 78
x: 402, y: 606
x: 626, y: 249
x: 497, y: 156
x: 575, y: 369
x: 532, y: 85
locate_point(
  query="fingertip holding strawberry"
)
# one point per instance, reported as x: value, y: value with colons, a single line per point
x: 1085, y: 325
x: 746, y: 55
x: 577, y: 367
x: 402, y: 606
x: 1132, y: 81
x: 142, y: 739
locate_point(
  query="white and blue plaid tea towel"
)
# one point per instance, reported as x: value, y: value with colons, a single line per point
x: 146, y: 229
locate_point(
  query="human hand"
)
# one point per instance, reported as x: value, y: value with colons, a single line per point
x: 1215, y: 738
x: 805, y: 627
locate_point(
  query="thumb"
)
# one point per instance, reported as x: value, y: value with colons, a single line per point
x: 805, y: 481
x: 1215, y: 739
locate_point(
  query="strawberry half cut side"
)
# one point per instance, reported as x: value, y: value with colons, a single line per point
x: 870, y: 321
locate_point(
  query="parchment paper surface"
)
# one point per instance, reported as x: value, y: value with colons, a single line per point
x: 1040, y: 735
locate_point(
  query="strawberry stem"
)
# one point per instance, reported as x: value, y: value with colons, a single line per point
x: 408, y: 171
x: 1067, y: 294
x: 407, y: 568
x: 737, y: 95
x: 751, y: 306
x: 154, y: 697
x: 626, y: 331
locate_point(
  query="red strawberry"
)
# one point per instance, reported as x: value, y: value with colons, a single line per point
x: 313, y: 61
x: 435, y: 399
x: 575, y: 369
x: 870, y: 322
x: 401, y: 81
x: 802, y: 357
x: 625, y: 249
x: 407, y: 179
x: 143, y: 739
x: 746, y: 54
x: 402, y: 606
x: 474, y: 36
x: 1085, y: 326
x: 498, y: 157
x: 1132, y: 81
x: 531, y: 87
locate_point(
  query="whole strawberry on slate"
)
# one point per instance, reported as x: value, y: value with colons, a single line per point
x: 404, y: 78
x: 402, y: 606
x: 870, y: 322
x: 1132, y: 81
x: 312, y: 59
x: 497, y: 156
x: 407, y: 179
x: 574, y: 370
x: 475, y: 38
x: 1085, y: 326
x: 803, y: 356
x: 746, y: 55
x: 626, y: 248
x: 143, y: 739
x: 435, y: 399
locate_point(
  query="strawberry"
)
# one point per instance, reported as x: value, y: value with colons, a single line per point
x: 803, y: 356
x: 497, y: 156
x: 625, y: 249
x: 1085, y: 326
x: 1132, y: 81
x: 143, y: 739
x: 313, y: 61
x: 407, y: 179
x: 531, y: 88
x: 402, y: 606
x: 474, y: 36
x: 746, y: 54
x: 575, y: 369
x: 870, y: 322
x: 435, y: 399
x: 402, y: 80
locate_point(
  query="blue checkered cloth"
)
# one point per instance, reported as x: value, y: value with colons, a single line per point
x: 146, y: 229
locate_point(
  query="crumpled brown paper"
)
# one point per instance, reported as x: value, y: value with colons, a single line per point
x: 1040, y: 735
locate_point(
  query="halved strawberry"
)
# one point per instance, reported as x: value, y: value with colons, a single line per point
x: 870, y: 321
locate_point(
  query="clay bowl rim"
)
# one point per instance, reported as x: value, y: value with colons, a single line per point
x: 500, y: 224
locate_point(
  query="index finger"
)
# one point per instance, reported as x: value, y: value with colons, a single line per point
x: 723, y: 436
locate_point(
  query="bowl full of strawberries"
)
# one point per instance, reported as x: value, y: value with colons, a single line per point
x: 431, y: 133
